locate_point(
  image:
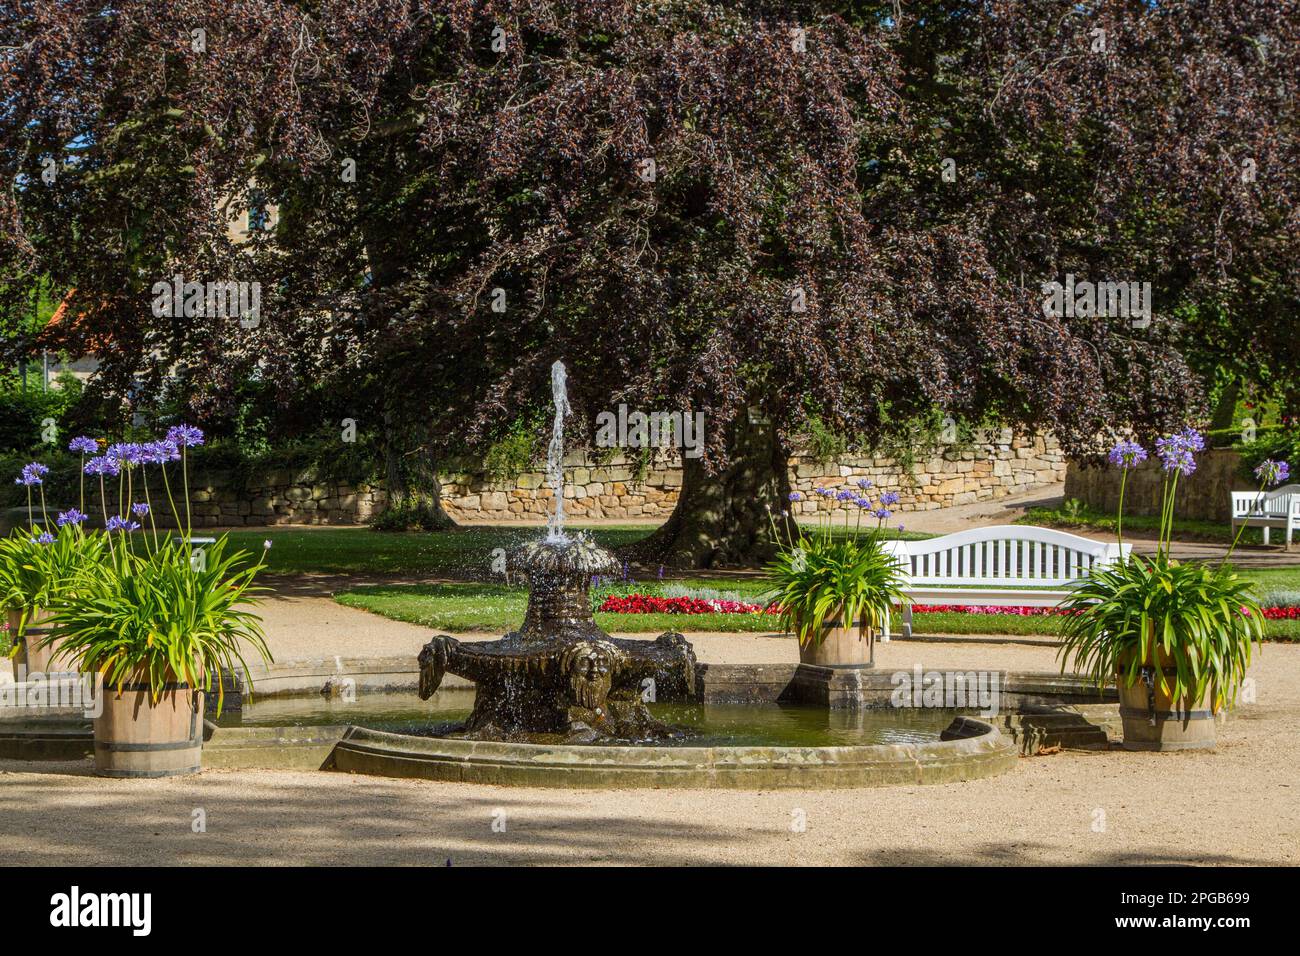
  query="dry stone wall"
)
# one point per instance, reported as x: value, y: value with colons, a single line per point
x: 998, y: 464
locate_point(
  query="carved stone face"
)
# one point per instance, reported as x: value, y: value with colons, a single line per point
x: 590, y: 669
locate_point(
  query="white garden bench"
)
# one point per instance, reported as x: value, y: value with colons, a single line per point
x: 1279, y: 508
x: 1002, y: 566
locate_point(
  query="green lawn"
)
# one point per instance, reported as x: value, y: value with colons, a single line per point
x: 463, y: 552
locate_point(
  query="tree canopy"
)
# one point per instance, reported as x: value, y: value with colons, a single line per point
x: 839, y: 211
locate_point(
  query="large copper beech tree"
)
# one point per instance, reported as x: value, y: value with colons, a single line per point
x: 765, y: 212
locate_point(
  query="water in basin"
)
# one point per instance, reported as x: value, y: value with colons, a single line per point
x: 705, y: 725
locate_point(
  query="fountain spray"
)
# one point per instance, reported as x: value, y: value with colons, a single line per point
x: 555, y: 454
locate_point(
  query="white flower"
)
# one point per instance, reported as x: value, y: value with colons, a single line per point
x: 267, y: 544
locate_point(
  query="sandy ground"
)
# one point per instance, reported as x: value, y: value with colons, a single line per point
x: 1238, y: 805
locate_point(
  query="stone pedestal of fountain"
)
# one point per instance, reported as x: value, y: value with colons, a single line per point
x: 560, y: 678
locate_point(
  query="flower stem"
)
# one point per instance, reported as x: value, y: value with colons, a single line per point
x: 1240, y: 530
x: 103, y: 505
x: 185, y: 476
x: 1119, y: 515
x: 144, y: 476
x: 176, y: 515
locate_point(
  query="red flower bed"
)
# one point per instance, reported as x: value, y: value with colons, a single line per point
x: 1282, y: 613
x: 1018, y: 610
x: 649, y: 604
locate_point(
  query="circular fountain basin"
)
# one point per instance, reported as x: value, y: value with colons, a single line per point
x: 730, y: 745
x: 984, y: 753
x: 748, y: 737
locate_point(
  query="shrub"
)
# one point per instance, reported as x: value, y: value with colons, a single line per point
x: 512, y: 454
x: 415, y: 512
x: 1280, y: 444
x: 22, y: 412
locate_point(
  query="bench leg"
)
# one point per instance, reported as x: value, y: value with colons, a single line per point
x: 1266, y: 530
x: 884, y: 629
x: 907, y: 620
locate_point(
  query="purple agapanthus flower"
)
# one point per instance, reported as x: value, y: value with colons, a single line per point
x: 125, y: 453
x: 139, y: 509
x: 882, y: 513
x: 1127, y: 454
x: 159, y: 452
x: 822, y: 491
x: 862, y: 502
x: 864, y: 483
x: 103, y: 465
x: 795, y: 496
x: 845, y: 495
x: 118, y: 523
x: 889, y: 498
x: 185, y: 436
x: 84, y: 444
x: 32, y: 474
x: 1192, y: 439
x: 1177, y: 452
x: 71, y: 516
x: 1270, y: 472
x: 43, y: 538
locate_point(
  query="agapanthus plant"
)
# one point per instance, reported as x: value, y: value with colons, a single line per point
x: 1129, y: 620
x: 828, y: 573
x: 38, y: 570
x: 160, y: 616
x: 152, y: 612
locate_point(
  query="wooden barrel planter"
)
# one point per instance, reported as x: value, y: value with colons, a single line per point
x: 45, y: 660
x: 1153, y: 720
x: 136, y: 737
x: 840, y: 646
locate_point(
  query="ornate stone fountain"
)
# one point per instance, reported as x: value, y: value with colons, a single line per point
x: 560, y: 678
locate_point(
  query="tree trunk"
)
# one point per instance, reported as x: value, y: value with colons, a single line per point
x: 724, y: 519
x: 398, y: 487
x: 394, y: 478
x: 441, y: 520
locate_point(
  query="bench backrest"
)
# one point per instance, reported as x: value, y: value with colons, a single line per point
x: 1005, y: 555
x: 1277, y: 503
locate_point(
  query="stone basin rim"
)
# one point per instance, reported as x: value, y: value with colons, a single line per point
x: 361, y: 734
x: 985, y: 753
